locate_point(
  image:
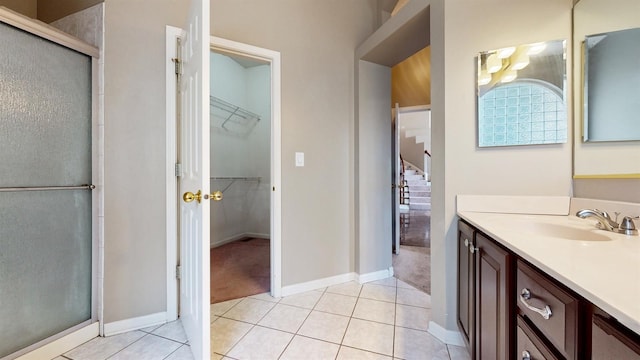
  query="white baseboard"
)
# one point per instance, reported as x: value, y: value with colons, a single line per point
x: 233, y: 238
x: 374, y: 276
x: 335, y: 280
x: 64, y: 344
x: 126, y: 325
x: 317, y: 284
x: 450, y: 337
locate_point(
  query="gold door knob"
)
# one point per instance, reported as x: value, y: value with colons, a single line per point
x: 189, y: 196
x: 217, y: 195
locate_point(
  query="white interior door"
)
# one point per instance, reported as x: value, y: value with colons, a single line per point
x: 397, y: 168
x: 194, y: 157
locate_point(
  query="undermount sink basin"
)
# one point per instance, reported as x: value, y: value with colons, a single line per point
x: 566, y: 232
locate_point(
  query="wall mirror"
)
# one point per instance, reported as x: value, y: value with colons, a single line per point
x: 602, y: 155
x: 521, y: 95
x: 612, y: 86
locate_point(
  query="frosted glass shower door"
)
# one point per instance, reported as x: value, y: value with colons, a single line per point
x: 45, y: 197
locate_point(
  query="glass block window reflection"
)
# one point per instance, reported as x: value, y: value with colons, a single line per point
x: 521, y: 113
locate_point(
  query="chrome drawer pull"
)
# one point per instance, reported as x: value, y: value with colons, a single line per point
x: 525, y: 295
x: 466, y: 242
x: 526, y: 355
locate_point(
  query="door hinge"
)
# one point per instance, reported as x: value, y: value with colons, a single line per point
x: 177, y: 65
x: 178, y: 274
x: 178, y: 169
x: 177, y: 61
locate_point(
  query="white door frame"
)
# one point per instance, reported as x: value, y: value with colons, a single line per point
x: 273, y: 57
x: 172, y: 33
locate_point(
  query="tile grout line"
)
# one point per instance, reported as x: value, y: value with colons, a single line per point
x: 170, y: 339
x: 262, y: 318
x: 239, y: 340
x: 395, y: 312
x: 350, y: 317
x: 179, y: 347
x: 253, y: 326
x: 114, y: 354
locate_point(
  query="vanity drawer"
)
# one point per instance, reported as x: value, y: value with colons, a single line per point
x: 529, y: 346
x: 561, y: 327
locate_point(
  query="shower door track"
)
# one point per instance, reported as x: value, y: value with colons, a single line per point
x: 47, y: 188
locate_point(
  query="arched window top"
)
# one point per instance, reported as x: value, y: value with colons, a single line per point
x: 520, y: 113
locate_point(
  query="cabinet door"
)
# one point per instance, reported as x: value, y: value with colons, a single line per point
x: 610, y: 340
x: 494, y: 311
x: 466, y: 284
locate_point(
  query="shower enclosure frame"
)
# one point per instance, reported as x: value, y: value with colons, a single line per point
x: 85, y: 331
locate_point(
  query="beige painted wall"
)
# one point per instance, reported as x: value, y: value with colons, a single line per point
x: 627, y: 190
x: 25, y: 7
x: 374, y: 168
x: 51, y: 10
x: 468, y: 27
x: 135, y: 241
x: 316, y: 40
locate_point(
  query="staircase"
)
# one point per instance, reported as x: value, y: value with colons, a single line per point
x: 419, y: 190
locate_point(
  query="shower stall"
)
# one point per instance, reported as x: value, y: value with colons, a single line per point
x: 47, y: 249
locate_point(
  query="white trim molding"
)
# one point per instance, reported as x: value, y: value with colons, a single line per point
x: 376, y: 275
x: 318, y: 284
x: 171, y: 191
x: 140, y: 322
x: 64, y: 344
x: 450, y: 337
x: 47, y: 32
x: 335, y: 280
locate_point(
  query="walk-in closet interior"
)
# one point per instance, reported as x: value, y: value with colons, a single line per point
x: 240, y: 107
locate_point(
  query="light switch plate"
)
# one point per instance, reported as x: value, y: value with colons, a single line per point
x: 299, y: 159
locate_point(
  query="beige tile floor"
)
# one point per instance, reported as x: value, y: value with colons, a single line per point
x: 386, y: 319
x: 167, y: 341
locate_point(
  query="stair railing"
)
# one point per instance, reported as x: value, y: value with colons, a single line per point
x: 404, y: 187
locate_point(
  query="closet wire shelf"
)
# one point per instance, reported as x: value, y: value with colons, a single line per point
x: 233, y: 179
x: 231, y: 119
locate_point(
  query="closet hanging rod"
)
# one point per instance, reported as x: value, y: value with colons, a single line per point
x: 236, y: 178
x: 47, y: 188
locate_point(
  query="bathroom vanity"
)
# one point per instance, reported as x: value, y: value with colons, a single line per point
x: 546, y: 287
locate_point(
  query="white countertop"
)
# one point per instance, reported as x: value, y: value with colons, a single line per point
x: 604, y: 270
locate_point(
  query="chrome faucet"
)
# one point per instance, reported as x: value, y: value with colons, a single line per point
x: 605, y: 222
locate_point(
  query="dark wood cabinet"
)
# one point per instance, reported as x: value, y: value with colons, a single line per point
x: 560, y: 328
x: 484, y: 284
x: 493, y: 308
x: 611, y: 340
x: 466, y: 290
x: 529, y: 346
x: 510, y: 309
